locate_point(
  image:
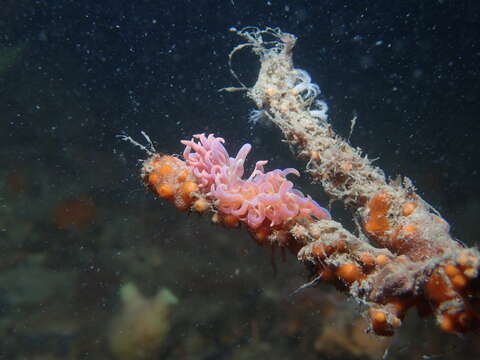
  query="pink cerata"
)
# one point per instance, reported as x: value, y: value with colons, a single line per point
x: 263, y: 196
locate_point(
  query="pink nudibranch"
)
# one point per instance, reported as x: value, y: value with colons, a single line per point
x: 263, y: 196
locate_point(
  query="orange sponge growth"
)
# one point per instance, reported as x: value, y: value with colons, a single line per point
x: 170, y: 178
x: 377, y: 224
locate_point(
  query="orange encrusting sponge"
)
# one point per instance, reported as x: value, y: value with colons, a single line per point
x: 384, y: 227
x: 170, y: 178
x: 445, y: 289
x: 377, y: 224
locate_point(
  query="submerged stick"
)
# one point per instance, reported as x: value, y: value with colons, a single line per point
x: 404, y: 255
x: 430, y: 269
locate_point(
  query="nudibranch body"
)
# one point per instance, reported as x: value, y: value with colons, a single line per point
x: 210, y: 178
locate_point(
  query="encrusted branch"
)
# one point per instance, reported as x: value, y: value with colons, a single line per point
x: 403, y: 255
x: 429, y: 269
